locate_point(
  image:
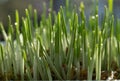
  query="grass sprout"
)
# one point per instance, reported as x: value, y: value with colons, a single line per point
x: 63, y: 46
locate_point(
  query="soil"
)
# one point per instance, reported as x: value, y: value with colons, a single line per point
x: 105, y: 75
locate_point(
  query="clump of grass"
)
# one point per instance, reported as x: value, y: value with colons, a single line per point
x: 65, y: 49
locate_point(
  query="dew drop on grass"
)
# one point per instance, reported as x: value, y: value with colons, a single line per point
x: 93, y: 17
x: 101, y: 44
x: 96, y: 15
x: 52, y: 41
x: 81, y: 49
x: 44, y: 30
x: 90, y: 58
x: 16, y: 23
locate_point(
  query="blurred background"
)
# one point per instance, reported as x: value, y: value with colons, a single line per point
x: 8, y: 7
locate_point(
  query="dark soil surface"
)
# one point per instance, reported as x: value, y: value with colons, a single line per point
x: 105, y: 75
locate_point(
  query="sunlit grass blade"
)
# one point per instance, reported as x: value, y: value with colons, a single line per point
x: 110, y: 5
x: 3, y: 31
x: 28, y: 25
x: 64, y: 26
x: 118, y: 30
x: 2, y: 59
x: 35, y: 19
x: 17, y: 23
x: 84, y: 40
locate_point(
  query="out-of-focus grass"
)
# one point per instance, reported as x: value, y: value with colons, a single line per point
x: 61, y: 49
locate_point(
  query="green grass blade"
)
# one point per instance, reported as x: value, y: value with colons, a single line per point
x: 35, y: 19
x: 3, y: 32
x: 110, y: 5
